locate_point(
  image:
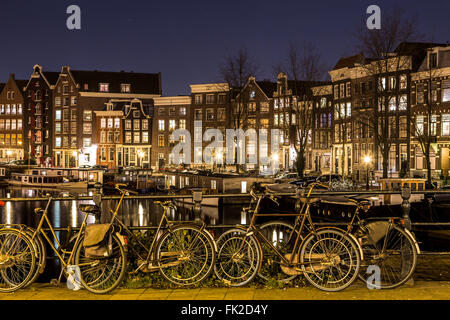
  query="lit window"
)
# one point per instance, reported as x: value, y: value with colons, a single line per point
x: 172, y: 124
x: 124, y: 87
x: 86, y: 142
x: 161, y: 125
x: 87, y: 115
x: 104, y: 87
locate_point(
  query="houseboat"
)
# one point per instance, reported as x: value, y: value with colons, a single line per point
x: 63, y: 178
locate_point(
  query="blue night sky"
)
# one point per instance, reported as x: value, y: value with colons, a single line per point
x: 187, y: 40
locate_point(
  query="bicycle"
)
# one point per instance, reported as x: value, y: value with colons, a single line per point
x: 184, y: 253
x: 328, y: 257
x: 99, y: 274
x: 386, y: 244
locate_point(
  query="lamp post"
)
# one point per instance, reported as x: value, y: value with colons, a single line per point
x: 367, y: 160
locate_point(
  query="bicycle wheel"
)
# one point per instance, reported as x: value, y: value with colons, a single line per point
x: 185, y: 254
x: 282, y: 236
x: 17, y: 260
x: 102, y: 275
x: 238, y: 257
x: 395, y: 255
x: 330, y: 259
x: 40, y: 255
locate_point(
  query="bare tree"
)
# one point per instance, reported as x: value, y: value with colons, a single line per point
x: 389, y: 55
x: 305, y: 69
x: 235, y: 71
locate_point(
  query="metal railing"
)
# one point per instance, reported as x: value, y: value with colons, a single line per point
x: 197, y: 197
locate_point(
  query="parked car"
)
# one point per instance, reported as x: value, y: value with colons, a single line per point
x: 303, y: 182
x: 327, y: 178
x: 287, y: 177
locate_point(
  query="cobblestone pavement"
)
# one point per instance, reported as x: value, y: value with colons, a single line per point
x: 431, y: 282
x: 421, y: 290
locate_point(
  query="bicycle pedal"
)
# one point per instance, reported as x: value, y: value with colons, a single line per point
x: 54, y: 282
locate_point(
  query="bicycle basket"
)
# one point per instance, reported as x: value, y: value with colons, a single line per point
x: 377, y: 230
x: 98, y: 241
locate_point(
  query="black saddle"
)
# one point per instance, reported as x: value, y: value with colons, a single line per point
x: 89, y: 208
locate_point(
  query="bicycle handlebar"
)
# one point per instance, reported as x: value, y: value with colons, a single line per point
x: 167, y: 203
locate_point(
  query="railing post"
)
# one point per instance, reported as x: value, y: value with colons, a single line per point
x: 406, y: 208
x: 97, y: 196
x: 197, y: 196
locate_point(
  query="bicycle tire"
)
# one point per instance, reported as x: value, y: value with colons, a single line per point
x: 15, y: 246
x: 41, y: 255
x: 405, y: 257
x: 177, y: 251
x: 102, y: 275
x: 325, y: 254
x: 238, y: 257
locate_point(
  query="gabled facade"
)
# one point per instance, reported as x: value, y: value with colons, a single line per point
x: 170, y: 113
x: 210, y: 104
x: 11, y: 120
x: 430, y: 113
x: 38, y: 112
x: 78, y: 95
x: 322, y: 134
x: 136, y: 150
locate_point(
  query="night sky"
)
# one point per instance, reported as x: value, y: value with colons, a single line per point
x: 187, y: 40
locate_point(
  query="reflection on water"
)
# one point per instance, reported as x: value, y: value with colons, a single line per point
x: 133, y: 212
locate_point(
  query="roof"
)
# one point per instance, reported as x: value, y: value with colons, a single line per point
x: 2, y: 85
x: 417, y: 50
x: 141, y: 83
x: 301, y: 86
x: 443, y: 58
x: 349, y: 62
x: 267, y: 87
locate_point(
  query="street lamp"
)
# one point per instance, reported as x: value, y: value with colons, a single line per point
x: 367, y: 160
x: 141, y: 155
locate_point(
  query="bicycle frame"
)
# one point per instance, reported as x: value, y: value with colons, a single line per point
x: 303, y: 214
x: 149, y: 259
x: 56, y: 249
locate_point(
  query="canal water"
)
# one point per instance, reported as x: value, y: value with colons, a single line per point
x: 133, y: 213
x: 144, y: 213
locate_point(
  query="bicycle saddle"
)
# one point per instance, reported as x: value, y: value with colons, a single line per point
x: 309, y: 200
x: 89, y: 208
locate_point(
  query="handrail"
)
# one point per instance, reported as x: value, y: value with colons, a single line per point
x: 222, y: 195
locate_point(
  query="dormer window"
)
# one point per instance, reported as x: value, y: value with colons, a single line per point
x: 126, y: 88
x: 104, y: 87
x: 432, y: 60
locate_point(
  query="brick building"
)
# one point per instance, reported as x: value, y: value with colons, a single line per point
x: 11, y: 120
x: 170, y: 113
